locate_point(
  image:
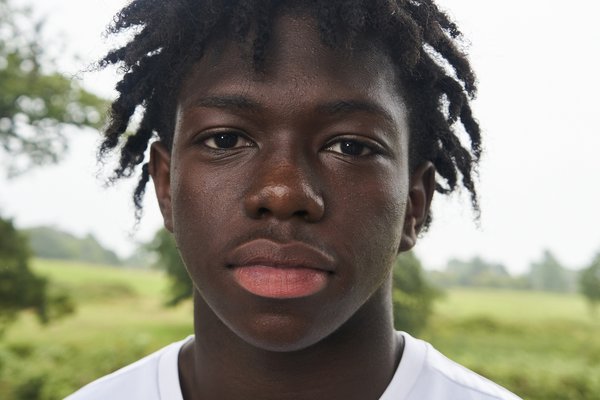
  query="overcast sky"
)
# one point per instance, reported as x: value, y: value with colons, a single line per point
x: 537, y: 63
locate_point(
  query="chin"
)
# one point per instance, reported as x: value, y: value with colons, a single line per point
x: 281, y: 333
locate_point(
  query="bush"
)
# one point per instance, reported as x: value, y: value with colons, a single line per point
x: 20, y: 288
x: 589, y: 284
x: 412, y: 294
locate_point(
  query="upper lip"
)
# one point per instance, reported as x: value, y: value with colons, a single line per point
x: 281, y: 255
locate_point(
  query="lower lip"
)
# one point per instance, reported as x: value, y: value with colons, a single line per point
x: 280, y: 283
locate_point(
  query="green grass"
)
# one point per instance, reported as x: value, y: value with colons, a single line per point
x: 77, y: 274
x: 119, y: 318
x: 515, y: 306
x: 542, y: 346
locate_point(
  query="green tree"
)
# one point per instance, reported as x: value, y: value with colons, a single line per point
x: 168, y: 259
x: 474, y: 272
x: 413, y: 296
x: 47, y: 242
x: 548, y: 274
x: 20, y: 288
x: 589, y: 284
x: 36, y: 104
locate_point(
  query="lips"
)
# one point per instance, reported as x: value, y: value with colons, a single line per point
x: 280, y: 271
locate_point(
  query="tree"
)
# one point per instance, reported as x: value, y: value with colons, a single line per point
x: 474, y: 272
x: 20, y: 289
x: 589, y: 284
x: 412, y: 294
x: 36, y: 104
x: 548, y: 275
x: 168, y: 259
x: 47, y: 242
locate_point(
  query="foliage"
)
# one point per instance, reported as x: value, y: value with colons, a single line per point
x: 412, y: 294
x: 520, y: 307
x: 111, y: 329
x: 168, y: 259
x: 20, y: 288
x: 589, y: 283
x: 540, y: 345
x: 46, y: 242
x: 475, y: 272
x: 141, y: 258
x: 36, y: 104
x: 548, y: 274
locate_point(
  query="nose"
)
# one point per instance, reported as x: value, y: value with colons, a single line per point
x: 284, y: 190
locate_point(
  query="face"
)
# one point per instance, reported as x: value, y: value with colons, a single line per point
x: 288, y: 189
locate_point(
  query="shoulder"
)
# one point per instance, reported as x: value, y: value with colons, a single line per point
x: 455, y: 378
x: 145, y: 379
x: 424, y: 373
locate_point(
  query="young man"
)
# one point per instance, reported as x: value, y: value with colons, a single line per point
x: 297, y: 152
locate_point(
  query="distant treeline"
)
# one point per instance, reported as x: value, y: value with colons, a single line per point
x: 47, y: 242
x: 52, y: 243
x: 546, y: 274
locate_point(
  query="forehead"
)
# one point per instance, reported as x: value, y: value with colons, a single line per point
x: 296, y: 63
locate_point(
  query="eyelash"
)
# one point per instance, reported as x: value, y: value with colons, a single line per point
x: 371, y: 149
x: 230, y: 134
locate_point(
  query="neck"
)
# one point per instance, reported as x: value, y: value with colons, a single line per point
x: 220, y: 365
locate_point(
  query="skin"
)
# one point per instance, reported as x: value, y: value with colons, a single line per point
x: 311, y: 152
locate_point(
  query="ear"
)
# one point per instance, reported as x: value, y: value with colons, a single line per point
x: 422, y: 186
x: 160, y: 171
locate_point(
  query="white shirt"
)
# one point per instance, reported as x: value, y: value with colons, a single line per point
x: 423, y: 374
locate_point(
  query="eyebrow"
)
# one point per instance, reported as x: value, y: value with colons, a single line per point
x: 228, y: 102
x: 345, y: 107
x: 334, y: 108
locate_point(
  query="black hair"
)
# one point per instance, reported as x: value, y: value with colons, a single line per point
x: 423, y: 43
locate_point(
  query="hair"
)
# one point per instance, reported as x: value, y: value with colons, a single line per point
x: 423, y: 43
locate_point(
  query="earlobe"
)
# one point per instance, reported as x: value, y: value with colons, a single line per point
x: 422, y: 185
x: 160, y: 171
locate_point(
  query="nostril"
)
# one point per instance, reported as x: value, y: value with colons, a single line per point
x: 301, y: 213
x: 294, y: 200
x: 263, y: 211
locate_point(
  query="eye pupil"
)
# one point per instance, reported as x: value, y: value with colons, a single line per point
x: 351, y: 148
x: 226, y: 140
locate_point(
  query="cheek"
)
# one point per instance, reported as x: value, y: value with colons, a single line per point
x: 201, y: 208
x: 376, y: 202
x: 371, y: 221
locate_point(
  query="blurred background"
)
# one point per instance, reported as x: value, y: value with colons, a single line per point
x: 514, y: 296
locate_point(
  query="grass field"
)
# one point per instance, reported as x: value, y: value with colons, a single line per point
x: 119, y: 318
x: 542, y: 346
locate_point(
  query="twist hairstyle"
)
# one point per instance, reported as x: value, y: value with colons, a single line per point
x: 423, y: 43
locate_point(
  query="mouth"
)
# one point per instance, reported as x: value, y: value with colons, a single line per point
x: 280, y: 283
x: 280, y: 271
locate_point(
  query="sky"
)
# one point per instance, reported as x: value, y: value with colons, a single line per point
x: 537, y: 63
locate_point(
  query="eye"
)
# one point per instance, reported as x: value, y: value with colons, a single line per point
x: 227, y: 140
x: 351, y: 147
